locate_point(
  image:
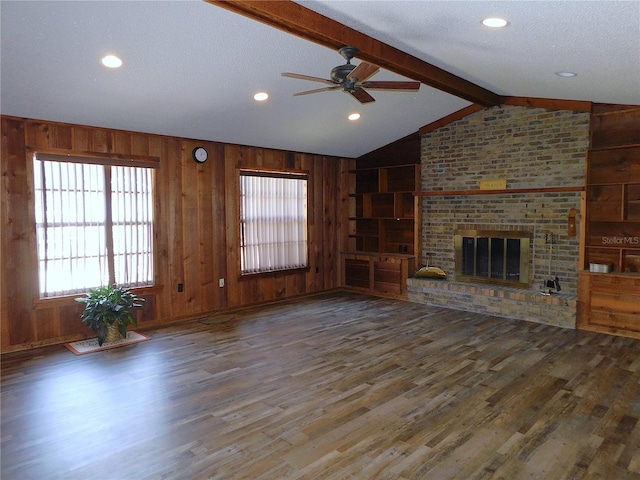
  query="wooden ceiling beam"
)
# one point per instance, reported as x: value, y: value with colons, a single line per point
x: 298, y: 20
x: 453, y: 117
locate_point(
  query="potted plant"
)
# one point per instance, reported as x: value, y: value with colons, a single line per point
x: 108, y: 311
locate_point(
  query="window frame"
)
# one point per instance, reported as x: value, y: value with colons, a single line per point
x: 102, y: 159
x: 271, y: 173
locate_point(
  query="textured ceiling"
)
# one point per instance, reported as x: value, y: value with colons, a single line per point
x: 191, y: 68
x: 598, y: 40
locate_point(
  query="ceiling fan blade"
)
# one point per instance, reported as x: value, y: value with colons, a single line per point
x: 317, y: 90
x: 363, y: 71
x: 362, y: 96
x: 308, y: 77
x: 382, y: 85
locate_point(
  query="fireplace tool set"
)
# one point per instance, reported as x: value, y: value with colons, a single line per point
x: 551, y: 284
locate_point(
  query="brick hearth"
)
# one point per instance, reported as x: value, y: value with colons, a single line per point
x: 556, y: 309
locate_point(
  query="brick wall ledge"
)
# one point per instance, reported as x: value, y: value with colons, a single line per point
x: 530, y: 305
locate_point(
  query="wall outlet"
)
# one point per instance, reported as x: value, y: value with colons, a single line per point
x: 221, y: 282
x: 180, y: 287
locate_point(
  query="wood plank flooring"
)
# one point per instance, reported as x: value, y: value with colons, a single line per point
x: 332, y: 386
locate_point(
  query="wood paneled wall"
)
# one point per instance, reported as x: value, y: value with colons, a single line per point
x: 196, y: 238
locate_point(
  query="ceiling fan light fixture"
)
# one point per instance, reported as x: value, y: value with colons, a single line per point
x: 354, y: 116
x: 260, y: 96
x: 354, y: 79
x: 111, y: 61
x: 495, y: 22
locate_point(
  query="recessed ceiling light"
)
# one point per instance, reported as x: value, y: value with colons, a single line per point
x: 566, y: 74
x: 354, y: 116
x: 494, y: 22
x: 111, y: 61
x: 260, y: 96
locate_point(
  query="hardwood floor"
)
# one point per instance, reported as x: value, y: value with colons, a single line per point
x: 329, y: 387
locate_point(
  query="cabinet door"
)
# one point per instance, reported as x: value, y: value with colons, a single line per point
x: 614, y: 304
x: 356, y: 273
x: 609, y: 303
x: 387, y: 276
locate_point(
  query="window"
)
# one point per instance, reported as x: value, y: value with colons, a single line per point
x: 273, y: 221
x: 94, y: 224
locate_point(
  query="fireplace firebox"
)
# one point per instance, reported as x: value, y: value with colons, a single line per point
x: 493, y: 256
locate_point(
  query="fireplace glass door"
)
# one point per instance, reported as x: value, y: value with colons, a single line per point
x: 493, y: 257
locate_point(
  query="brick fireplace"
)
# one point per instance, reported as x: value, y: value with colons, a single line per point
x: 535, y: 150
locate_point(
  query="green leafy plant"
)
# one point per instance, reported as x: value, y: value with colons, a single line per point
x: 109, y: 306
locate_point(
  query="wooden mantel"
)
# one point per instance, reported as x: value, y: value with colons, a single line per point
x: 443, y: 193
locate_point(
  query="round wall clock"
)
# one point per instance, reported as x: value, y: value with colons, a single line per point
x: 200, y: 154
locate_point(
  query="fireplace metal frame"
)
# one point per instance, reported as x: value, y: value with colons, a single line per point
x: 525, y: 244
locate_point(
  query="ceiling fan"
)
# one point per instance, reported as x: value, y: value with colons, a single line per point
x: 354, y: 79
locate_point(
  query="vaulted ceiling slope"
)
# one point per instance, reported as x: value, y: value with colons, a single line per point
x: 191, y: 68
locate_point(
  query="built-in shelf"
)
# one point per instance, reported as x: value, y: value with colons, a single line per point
x: 382, y: 217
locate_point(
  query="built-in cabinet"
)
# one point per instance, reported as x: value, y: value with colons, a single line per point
x: 613, y: 206
x: 378, y: 273
x: 610, y: 302
x: 383, y: 225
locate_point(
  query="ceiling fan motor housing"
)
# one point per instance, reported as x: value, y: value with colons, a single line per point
x: 339, y: 73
